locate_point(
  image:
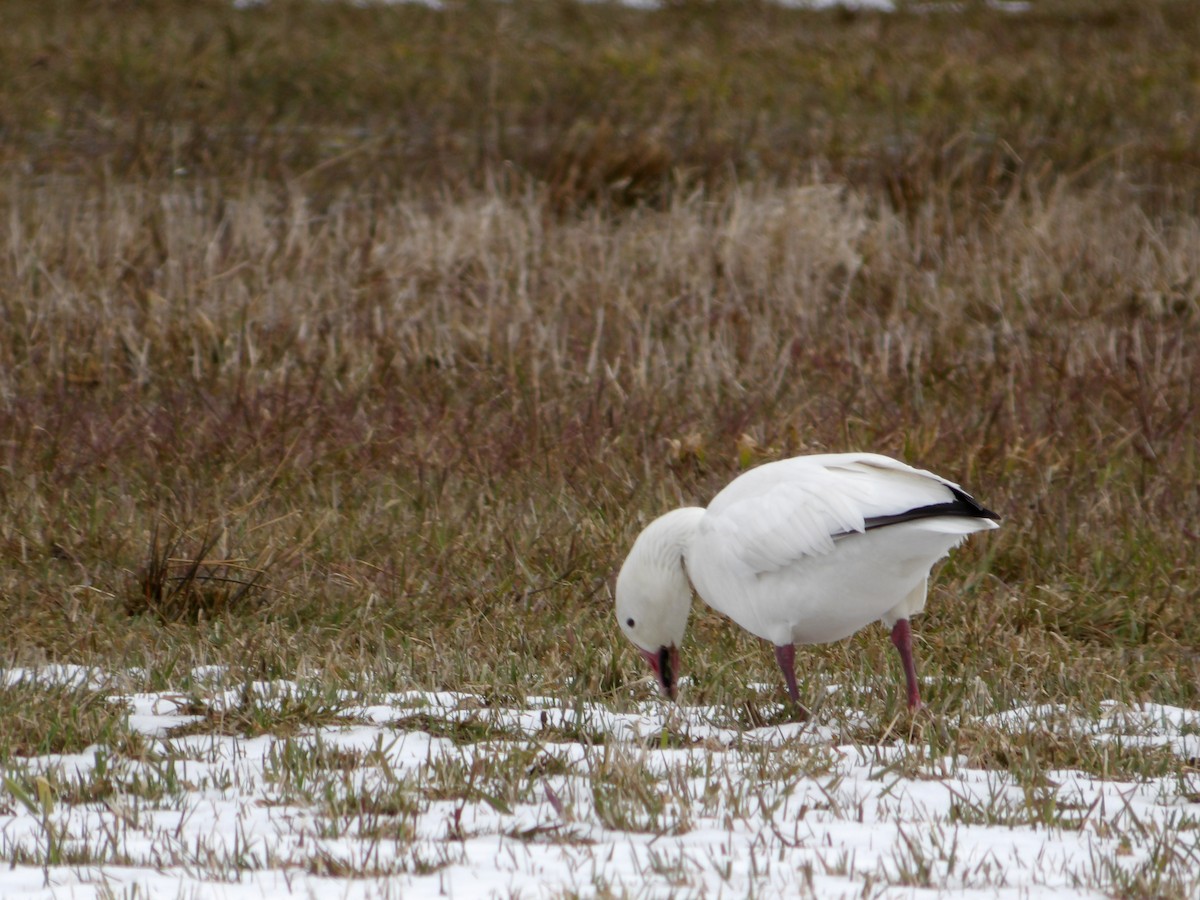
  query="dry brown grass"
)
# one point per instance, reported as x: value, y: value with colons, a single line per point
x: 418, y: 427
x: 394, y: 333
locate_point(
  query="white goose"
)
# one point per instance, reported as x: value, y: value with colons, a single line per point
x: 800, y: 551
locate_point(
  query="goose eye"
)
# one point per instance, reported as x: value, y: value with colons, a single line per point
x: 629, y: 622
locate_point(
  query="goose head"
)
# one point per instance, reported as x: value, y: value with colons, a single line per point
x: 654, y: 597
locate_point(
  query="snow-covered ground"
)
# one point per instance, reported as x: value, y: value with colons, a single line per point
x: 557, y: 799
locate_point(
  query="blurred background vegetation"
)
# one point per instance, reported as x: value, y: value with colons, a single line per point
x: 364, y: 338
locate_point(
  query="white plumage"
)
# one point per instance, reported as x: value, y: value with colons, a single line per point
x: 801, y: 551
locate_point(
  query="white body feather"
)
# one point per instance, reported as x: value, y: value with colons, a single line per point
x: 785, y: 552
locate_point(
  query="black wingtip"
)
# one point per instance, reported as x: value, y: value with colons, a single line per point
x: 963, y: 505
x: 966, y: 501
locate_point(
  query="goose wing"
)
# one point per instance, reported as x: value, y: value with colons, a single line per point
x: 776, y: 515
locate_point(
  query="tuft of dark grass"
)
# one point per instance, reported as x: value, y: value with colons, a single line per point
x: 58, y: 718
x: 1032, y: 754
x: 254, y: 713
x: 189, y: 586
x: 470, y: 730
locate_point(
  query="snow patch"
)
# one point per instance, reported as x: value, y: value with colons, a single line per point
x: 372, y: 808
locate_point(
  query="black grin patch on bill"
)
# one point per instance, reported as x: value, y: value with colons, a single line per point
x: 664, y: 669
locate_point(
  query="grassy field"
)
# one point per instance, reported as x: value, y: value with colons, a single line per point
x: 354, y: 345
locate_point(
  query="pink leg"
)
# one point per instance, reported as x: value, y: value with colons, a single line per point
x: 902, y: 638
x: 785, y: 655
